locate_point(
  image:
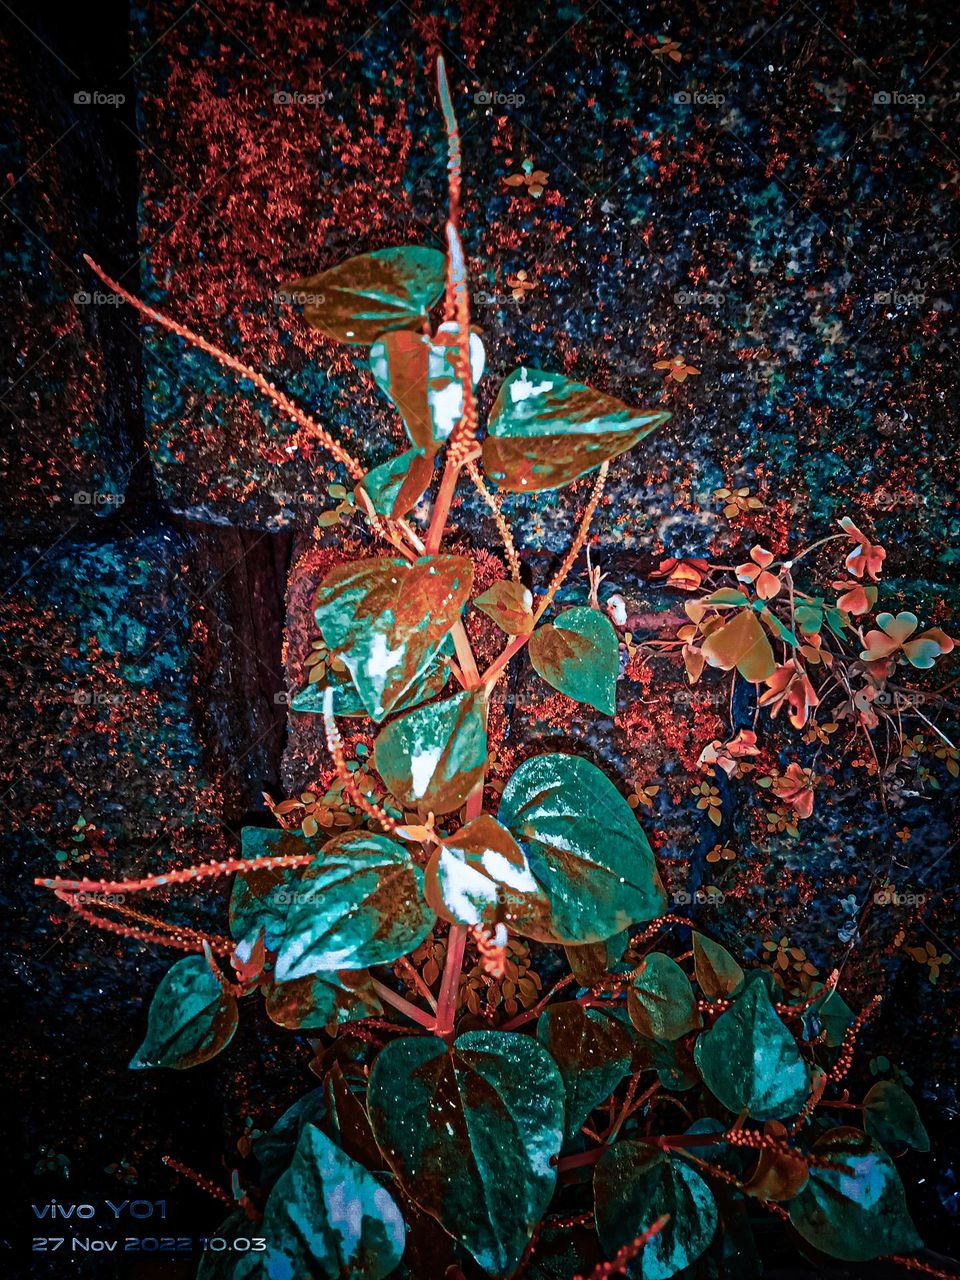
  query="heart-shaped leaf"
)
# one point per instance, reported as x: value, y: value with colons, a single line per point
x: 480, y: 875
x: 191, y: 1017
x: 660, y: 1000
x: 360, y: 903
x: 778, y: 1174
x: 741, y: 643
x: 856, y: 1211
x: 419, y: 374
x: 749, y: 1059
x: 396, y: 486
x: 584, y: 846
x: 347, y: 701
x: 432, y: 757
x: 274, y: 1149
x: 593, y: 1053
x: 510, y: 605
x: 470, y: 1133
x: 634, y: 1185
x: 386, y: 620
x: 327, y: 1218
x: 717, y: 972
x: 890, y: 1115
x: 579, y: 654
x: 261, y: 900
x: 323, y: 1000
x: 364, y: 297
x: 545, y: 431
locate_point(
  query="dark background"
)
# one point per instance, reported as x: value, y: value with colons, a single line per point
x: 787, y: 208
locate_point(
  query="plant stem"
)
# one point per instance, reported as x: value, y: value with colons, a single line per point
x: 390, y: 996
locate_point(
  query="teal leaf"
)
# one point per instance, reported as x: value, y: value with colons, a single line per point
x: 749, y: 1059
x: 347, y: 701
x: 274, y: 1149
x: 327, y: 1218
x: 890, y: 1115
x: 857, y: 1211
x: 386, y: 620
x: 364, y: 297
x: 545, y: 431
x: 660, y: 1000
x: 716, y: 971
x: 360, y: 903
x: 584, y: 846
x: 634, y: 1185
x: 431, y: 758
x: 261, y: 900
x: 470, y: 1133
x: 191, y: 1018
x: 593, y: 1054
x: 579, y: 654
x: 830, y: 1017
x: 419, y: 375
x: 396, y: 486
x: 323, y: 1001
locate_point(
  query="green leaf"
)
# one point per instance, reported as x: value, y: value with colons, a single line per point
x: 346, y: 699
x: 829, y: 1016
x: 322, y: 1001
x: 592, y: 960
x: 386, y: 620
x: 480, y: 875
x: 749, y: 1059
x: 274, y: 1149
x: 585, y: 848
x: 579, y: 654
x: 510, y: 605
x: 261, y: 900
x: 360, y: 903
x: 327, y: 1218
x: 593, y: 1053
x: 741, y: 643
x: 545, y: 431
x: 396, y: 486
x: 726, y: 598
x: 716, y: 971
x: 419, y: 374
x: 191, y: 1018
x: 890, y: 1115
x: 660, y: 1000
x: 364, y: 297
x: 432, y: 758
x: 470, y: 1133
x: 857, y: 1211
x: 633, y: 1185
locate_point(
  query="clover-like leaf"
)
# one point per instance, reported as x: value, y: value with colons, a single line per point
x: 741, y: 643
x: 660, y: 1000
x: 510, y: 605
x: 584, y: 846
x: 480, y: 875
x: 191, y: 1017
x: 592, y: 1051
x: 360, y: 903
x: 633, y: 1185
x: 579, y: 654
x: 716, y: 971
x: 386, y: 620
x: 749, y: 1059
x: 890, y: 1115
x: 366, y: 296
x: 857, y: 1210
x: 470, y: 1132
x: 327, y: 1218
x: 432, y: 757
x: 545, y: 431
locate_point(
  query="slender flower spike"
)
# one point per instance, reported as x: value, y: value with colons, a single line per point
x: 894, y: 637
x: 755, y: 570
x: 866, y: 557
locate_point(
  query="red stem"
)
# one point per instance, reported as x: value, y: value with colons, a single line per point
x: 404, y: 1006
